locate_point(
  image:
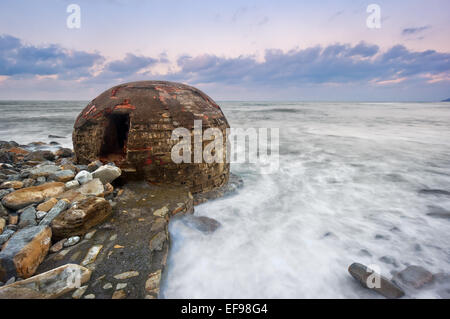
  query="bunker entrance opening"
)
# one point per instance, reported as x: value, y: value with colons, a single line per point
x: 115, y: 137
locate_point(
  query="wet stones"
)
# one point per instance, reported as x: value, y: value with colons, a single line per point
x: 83, y: 177
x: 24, y: 251
x: 94, y: 166
x: 119, y: 294
x: 28, y: 217
x: 40, y: 156
x: 51, y: 284
x: 376, y: 282
x: 64, y: 152
x: 31, y: 195
x: 43, y: 171
x: 62, y: 176
x: 91, y: 255
x: 126, y: 275
x: 59, y: 207
x: 71, y: 241
x: 438, y: 212
x: 7, y: 157
x: 5, y: 236
x: 161, y: 212
x: 152, y: 283
x: 2, y: 224
x: 57, y: 246
x: 79, y: 292
x: 107, y: 173
x: 11, y: 184
x: 92, y: 188
x: 201, y: 223
x: 80, y: 218
x: 435, y: 192
x: 414, y: 276
x: 47, y: 205
x: 72, y: 184
x: 157, y: 241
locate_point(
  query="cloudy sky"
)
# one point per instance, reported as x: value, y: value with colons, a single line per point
x: 233, y: 50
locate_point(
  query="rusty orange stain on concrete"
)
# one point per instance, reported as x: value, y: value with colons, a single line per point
x: 125, y: 105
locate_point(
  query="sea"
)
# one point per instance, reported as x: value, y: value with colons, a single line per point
x: 356, y: 182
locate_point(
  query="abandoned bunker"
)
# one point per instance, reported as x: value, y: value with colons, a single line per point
x: 131, y: 125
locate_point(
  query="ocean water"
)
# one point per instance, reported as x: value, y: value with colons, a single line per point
x: 31, y: 121
x: 349, y: 188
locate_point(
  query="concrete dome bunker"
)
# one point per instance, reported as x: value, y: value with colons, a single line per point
x: 131, y: 125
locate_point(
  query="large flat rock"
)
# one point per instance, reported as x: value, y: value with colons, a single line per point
x: 48, y: 285
x: 31, y: 195
x: 24, y: 251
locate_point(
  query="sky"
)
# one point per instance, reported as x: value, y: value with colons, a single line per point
x: 232, y: 50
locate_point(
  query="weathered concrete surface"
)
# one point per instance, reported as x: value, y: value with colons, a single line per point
x: 131, y: 246
x: 234, y: 182
x: 131, y: 125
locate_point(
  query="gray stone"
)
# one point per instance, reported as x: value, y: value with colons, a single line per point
x: 121, y: 286
x: 28, y: 182
x: 81, y: 167
x: 83, y: 177
x: 94, y: 166
x: 201, y: 223
x: 43, y: 171
x: 72, y: 184
x: 62, y: 176
x: 72, y: 241
x: 7, y: 233
x: 93, y: 187
x: 107, y: 173
x: 79, y: 292
x: 40, y: 215
x: 39, y: 156
x: 41, y: 180
x: 3, y: 211
x: 413, y: 276
x: 365, y: 275
x: 438, y: 212
x: 107, y: 286
x: 60, y: 206
x: 4, y: 192
x: 389, y: 260
x: 157, y: 241
x: 28, y: 217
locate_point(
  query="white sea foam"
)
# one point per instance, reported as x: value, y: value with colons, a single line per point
x: 348, y: 184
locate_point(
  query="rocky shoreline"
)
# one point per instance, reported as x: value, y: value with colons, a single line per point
x: 82, y: 231
x: 61, y: 223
